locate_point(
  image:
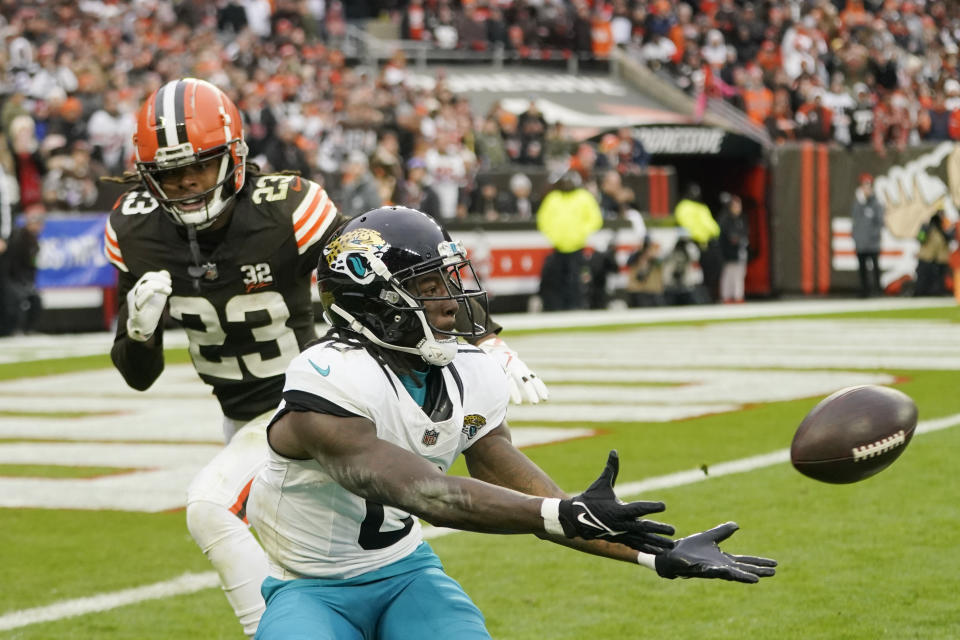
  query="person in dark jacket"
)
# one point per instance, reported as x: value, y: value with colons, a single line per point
x: 22, y: 299
x: 734, y: 241
x: 867, y: 215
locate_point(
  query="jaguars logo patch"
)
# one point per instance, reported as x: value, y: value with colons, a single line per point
x: 473, y: 423
x: 430, y: 437
x: 348, y: 253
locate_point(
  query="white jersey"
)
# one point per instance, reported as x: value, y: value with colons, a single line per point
x: 312, y: 527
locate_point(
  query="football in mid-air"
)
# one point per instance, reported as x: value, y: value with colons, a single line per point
x: 854, y: 434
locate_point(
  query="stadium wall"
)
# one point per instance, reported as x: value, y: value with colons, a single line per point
x: 811, y: 194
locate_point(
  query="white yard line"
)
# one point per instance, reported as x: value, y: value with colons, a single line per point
x: 193, y: 582
x: 187, y: 583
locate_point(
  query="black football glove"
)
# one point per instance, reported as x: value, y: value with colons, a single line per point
x: 598, y: 513
x: 698, y: 556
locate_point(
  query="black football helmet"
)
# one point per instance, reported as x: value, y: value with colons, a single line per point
x: 366, y: 279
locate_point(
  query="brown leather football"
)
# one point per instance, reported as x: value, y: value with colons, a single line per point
x: 854, y: 434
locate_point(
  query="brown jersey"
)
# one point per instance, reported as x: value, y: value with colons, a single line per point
x: 247, y: 310
x: 250, y: 311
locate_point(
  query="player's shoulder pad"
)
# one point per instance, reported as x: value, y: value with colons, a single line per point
x: 346, y: 376
x: 482, y: 375
x: 132, y: 209
x: 310, y: 209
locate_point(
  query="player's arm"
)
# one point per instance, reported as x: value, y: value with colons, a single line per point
x: 139, y: 357
x: 351, y: 453
x: 496, y: 460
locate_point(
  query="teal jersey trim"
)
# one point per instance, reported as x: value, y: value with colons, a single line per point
x: 416, y: 385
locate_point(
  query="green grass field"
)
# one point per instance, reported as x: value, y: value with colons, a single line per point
x: 870, y: 560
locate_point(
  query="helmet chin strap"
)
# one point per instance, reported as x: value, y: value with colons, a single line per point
x: 431, y: 350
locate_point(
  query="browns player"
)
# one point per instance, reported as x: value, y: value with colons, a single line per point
x: 230, y: 252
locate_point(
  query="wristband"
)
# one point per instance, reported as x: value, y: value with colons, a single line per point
x: 647, y: 560
x: 550, y: 512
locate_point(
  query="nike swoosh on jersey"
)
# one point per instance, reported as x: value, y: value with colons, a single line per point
x: 324, y: 372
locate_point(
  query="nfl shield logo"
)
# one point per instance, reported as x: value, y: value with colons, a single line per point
x: 430, y: 437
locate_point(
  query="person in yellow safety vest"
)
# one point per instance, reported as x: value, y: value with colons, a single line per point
x: 694, y: 216
x: 568, y: 216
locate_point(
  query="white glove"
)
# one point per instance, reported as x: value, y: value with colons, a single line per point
x: 524, y: 384
x: 145, y: 303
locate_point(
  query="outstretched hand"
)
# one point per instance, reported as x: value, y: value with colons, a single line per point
x: 699, y: 556
x: 598, y: 513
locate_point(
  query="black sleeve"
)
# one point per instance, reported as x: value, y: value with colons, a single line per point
x: 139, y: 363
x: 302, y: 401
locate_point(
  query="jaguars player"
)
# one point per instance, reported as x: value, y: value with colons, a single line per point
x: 372, y: 417
x: 230, y: 253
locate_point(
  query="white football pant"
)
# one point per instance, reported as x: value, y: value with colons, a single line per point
x: 216, y: 518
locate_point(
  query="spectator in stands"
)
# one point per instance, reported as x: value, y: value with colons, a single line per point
x: 358, y: 189
x: 734, y: 242
x: 891, y: 123
x: 471, y: 29
x: 485, y: 200
x: 259, y: 121
x: 840, y: 104
x: 780, y: 123
x: 659, y: 51
x: 23, y: 304
x: 867, y: 217
x: 384, y: 167
x: 694, y: 215
x: 633, y: 156
x: 111, y: 130
x: 758, y: 99
x: 584, y: 161
x: 490, y: 145
x: 447, y: 165
x: 512, y: 139
x: 937, y: 120
x: 518, y: 202
x: 814, y: 121
x: 29, y: 164
x: 71, y: 182
x: 416, y: 192
x: 862, y: 116
x: 497, y: 31
x: 558, y: 147
x: 608, y: 154
x: 533, y: 130
x: 68, y: 121
x: 413, y: 25
x: 283, y: 152
x: 568, y: 216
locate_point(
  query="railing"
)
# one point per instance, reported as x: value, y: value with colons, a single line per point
x: 371, y: 50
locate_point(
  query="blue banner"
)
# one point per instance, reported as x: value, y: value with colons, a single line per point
x: 71, y: 252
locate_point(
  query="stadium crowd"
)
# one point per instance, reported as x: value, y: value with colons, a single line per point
x: 849, y: 71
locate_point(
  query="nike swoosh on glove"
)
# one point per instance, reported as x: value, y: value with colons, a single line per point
x: 145, y: 304
x: 598, y: 513
x: 699, y: 556
x: 525, y: 385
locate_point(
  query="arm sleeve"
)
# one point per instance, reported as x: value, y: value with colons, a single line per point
x: 139, y: 363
